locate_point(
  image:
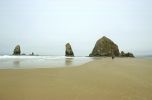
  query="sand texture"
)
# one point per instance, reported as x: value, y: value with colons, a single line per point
x: 101, y: 79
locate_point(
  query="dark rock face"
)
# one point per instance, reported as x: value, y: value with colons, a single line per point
x: 122, y: 54
x: 23, y: 54
x: 17, y: 50
x: 105, y: 47
x: 126, y: 54
x: 68, y: 51
x: 32, y: 54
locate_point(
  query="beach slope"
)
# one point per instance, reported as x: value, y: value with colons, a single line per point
x: 101, y: 79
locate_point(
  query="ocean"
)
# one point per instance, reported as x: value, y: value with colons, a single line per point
x: 29, y: 62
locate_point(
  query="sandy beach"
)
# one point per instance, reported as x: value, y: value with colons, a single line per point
x: 101, y: 79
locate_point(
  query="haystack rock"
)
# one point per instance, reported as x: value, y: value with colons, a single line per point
x: 17, y: 50
x: 105, y: 47
x: 68, y: 51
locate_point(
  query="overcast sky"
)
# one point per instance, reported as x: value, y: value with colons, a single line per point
x: 45, y: 26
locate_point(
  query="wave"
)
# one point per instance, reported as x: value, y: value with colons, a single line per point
x: 23, y: 62
x: 37, y: 57
x: 30, y: 57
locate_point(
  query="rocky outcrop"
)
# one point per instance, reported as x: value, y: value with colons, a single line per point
x: 17, y: 50
x: 122, y: 54
x: 105, y: 47
x: 68, y: 51
x: 32, y: 54
x: 23, y: 54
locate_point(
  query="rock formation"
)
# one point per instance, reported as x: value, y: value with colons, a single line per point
x: 68, y: 51
x: 23, y: 54
x: 105, y: 47
x: 32, y: 54
x: 17, y: 50
x: 122, y: 54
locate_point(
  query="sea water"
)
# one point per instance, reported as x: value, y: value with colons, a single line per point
x: 27, y: 62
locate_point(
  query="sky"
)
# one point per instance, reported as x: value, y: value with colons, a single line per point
x: 45, y: 26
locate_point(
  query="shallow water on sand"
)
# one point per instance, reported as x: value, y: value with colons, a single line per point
x: 25, y: 62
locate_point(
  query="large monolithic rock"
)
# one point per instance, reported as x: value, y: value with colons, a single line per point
x: 68, y: 51
x: 17, y: 50
x: 105, y: 47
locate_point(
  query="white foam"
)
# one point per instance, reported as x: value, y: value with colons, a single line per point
x: 30, y: 57
x: 24, y: 62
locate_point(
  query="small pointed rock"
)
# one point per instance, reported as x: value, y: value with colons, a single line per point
x: 17, y: 50
x: 68, y: 51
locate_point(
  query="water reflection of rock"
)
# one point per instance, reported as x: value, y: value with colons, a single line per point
x: 16, y: 63
x: 68, y: 61
x: 97, y: 58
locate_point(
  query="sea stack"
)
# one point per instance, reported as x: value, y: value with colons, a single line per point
x: 105, y: 47
x: 123, y: 54
x: 17, y: 50
x: 68, y: 51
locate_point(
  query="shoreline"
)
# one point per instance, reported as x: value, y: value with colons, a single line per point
x: 30, y: 62
x: 107, y: 79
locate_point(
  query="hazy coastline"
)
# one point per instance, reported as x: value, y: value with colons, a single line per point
x: 75, y: 50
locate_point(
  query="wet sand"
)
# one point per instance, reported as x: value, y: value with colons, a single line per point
x: 101, y: 79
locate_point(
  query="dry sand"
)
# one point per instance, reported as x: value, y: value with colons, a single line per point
x: 103, y: 79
